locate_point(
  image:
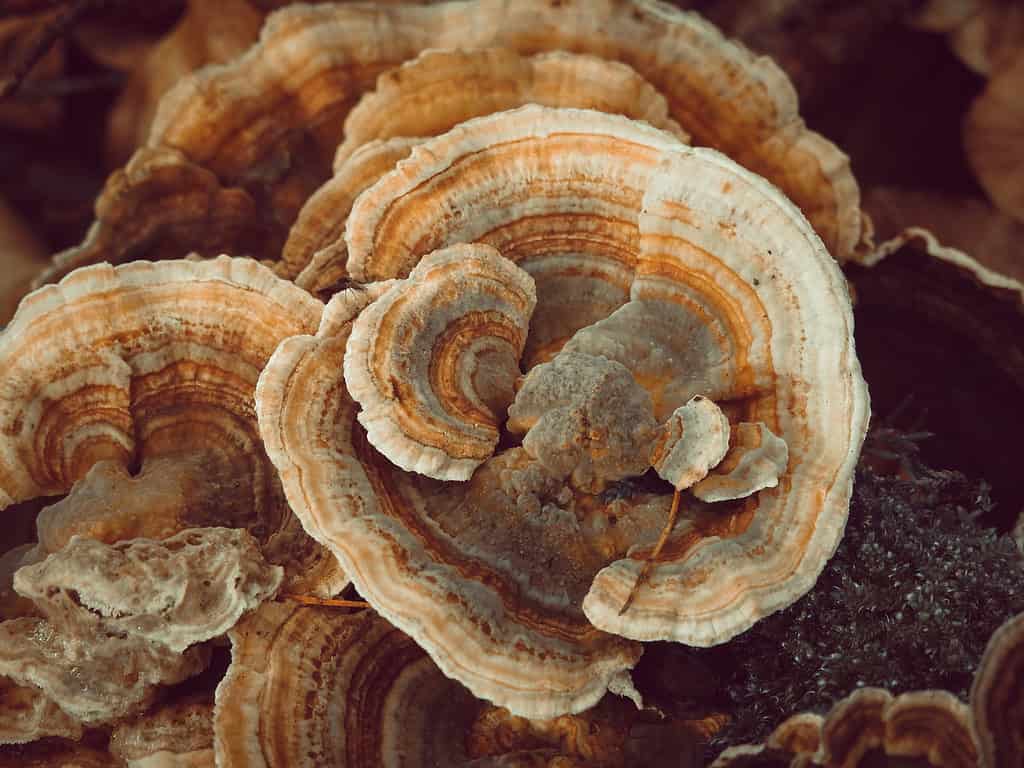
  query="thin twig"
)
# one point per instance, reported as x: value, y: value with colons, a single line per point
x: 38, y: 90
x: 15, y: 8
x: 646, y: 568
x: 325, y: 602
x: 50, y: 34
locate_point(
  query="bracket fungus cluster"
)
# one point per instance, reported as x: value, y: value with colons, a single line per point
x: 534, y: 331
x: 514, y: 580
x: 255, y: 140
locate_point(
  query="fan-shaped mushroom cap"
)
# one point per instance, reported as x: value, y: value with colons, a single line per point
x: 694, y: 237
x: 309, y: 687
x: 584, y: 417
x: 755, y: 461
x: 480, y: 180
x: 258, y: 120
x: 177, y: 734
x: 315, y: 252
x: 433, y: 361
x: 997, y: 705
x: 929, y: 725
x: 27, y: 714
x: 161, y: 206
x: 472, y: 609
x: 440, y: 89
x: 153, y: 365
x: 695, y: 439
x: 178, y: 592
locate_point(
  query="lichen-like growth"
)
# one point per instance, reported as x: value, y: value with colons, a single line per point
x: 908, y: 602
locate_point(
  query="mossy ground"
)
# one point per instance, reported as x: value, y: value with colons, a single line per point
x: 908, y: 602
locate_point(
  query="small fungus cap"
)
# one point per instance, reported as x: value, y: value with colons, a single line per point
x: 432, y: 361
x: 695, y: 439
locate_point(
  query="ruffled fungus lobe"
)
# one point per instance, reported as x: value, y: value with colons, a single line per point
x: 432, y: 361
x: 997, y: 705
x: 124, y: 618
x: 933, y: 726
x: 152, y: 366
x: 265, y: 135
x: 310, y: 687
x: 177, y: 592
x: 255, y: 123
x: 472, y: 610
x: 95, y: 677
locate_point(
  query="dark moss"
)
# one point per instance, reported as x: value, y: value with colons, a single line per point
x: 908, y: 602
